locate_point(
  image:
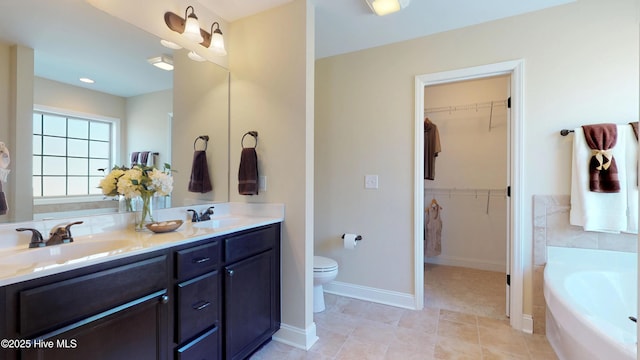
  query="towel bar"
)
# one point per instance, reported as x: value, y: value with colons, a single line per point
x: 358, y: 238
x: 252, y: 133
x: 205, y: 138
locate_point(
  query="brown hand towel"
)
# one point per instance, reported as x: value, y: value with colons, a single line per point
x: 4, y: 208
x: 603, y: 171
x: 144, y: 158
x: 134, y: 157
x: 199, y: 180
x: 248, y: 172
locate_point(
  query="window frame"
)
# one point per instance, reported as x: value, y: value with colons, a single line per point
x: 115, y: 150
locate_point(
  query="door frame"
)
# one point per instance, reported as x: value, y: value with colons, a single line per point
x: 515, y: 69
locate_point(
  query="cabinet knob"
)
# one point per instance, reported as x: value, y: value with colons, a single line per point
x: 229, y: 272
x: 164, y: 298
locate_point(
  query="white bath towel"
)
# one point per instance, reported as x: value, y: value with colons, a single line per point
x: 595, y: 211
x: 631, y: 164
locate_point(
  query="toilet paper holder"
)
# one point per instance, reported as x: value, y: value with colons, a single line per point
x: 358, y: 238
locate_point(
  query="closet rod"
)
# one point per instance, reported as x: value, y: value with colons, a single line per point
x: 467, y: 192
x: 474, y: 106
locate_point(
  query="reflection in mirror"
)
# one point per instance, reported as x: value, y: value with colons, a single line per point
x: 131, y: 108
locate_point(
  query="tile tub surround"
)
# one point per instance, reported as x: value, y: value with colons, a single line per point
x: 551, y: 228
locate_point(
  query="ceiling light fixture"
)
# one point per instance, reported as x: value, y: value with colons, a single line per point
x: 164, y: 62
x: 87, y: 80
x: 384, y: 7
x: 213, y: 40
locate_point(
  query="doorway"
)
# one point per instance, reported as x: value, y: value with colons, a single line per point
x: 514, y: 70
x: 466, y: 196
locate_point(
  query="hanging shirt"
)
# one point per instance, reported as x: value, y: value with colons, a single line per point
x: 431, y: 148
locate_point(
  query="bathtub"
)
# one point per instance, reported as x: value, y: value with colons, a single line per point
x: 590, y: 295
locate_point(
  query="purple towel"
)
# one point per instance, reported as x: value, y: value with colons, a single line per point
x: 4, y: 208
x: 200, y: 181
x: 248, y: 172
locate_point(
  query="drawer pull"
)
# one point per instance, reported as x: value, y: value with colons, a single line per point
x: 200, y: 260
x: 201, y: 305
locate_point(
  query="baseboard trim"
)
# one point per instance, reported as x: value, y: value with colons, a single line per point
x: 467, y: 263
x: 296, y: 337
x: 527, y: 323
x: 376, y: 295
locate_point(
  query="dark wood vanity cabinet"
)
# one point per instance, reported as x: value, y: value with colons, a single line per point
x: 213, y: 299
x: 251, y: 290
x: 109, y: 311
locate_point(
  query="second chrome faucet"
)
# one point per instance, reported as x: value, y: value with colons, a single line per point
x: 206, y: 215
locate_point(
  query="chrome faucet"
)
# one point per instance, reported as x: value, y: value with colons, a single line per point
x: 58, y: 235
x: 206, y: 215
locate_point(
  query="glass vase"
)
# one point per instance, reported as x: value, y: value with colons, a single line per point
x: 143, y: 211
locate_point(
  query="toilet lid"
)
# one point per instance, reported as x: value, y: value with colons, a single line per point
x: 322, y: 263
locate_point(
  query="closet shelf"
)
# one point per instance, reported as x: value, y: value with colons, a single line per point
x: 475, y: 106
x: 466, y: 192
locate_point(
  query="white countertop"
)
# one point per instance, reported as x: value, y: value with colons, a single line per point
x: 108, y: 237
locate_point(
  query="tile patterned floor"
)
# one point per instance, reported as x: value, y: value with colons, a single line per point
x: 462, y: 319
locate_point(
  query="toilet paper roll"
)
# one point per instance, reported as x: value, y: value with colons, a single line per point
x: 350, y: 241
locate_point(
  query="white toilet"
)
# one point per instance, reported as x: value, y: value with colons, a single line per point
x: 324, y: 270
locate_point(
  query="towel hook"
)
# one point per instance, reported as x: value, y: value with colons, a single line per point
x: 252, y: 133
x: 205, y: 138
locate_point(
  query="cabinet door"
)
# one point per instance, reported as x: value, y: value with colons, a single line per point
x: 250, y: 304
x: 136, y: 330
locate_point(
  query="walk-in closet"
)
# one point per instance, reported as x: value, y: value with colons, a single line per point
x: 465, y: 195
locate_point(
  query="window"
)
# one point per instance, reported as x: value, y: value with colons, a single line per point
x: 67, y: 153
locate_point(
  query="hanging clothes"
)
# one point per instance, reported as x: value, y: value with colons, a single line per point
x: 431, y: 148
x: 432, y: 230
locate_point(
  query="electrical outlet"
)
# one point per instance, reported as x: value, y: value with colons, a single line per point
x: 371, y: 181
x: 262, y: 183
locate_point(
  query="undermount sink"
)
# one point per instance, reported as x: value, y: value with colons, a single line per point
x: 218, y: 223
x: 65, y: 253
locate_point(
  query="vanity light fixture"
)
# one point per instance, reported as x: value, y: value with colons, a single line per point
x: 195, y: 57
x: 190, y: 28
x: 216, y: 43
x: 170, y: 44
x: 384, y: 7
x: 164, y: 62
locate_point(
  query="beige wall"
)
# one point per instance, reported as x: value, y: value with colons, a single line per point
x: 200, y: 107
x: 581, y: 66
x: 149, y: 126
x: 271, y: 77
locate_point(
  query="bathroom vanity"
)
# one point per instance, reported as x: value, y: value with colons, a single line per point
x: 202, y: 297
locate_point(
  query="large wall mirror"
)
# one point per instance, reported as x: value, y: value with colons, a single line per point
x: 156, y: 111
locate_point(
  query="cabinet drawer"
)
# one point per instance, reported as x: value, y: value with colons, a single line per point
x: 245, y: 245
x: 198, y: 305
x: 197, y: 260
x: 48, y: 306
x: 204, y: 347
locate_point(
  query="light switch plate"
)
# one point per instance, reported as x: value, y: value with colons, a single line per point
x: 262, y: 183
x: 371, y: 181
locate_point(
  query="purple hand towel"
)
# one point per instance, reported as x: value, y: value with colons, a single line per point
x: 199, y: 181
x: 4, y: 208
x: 603, y: 170
x: 248, y: 172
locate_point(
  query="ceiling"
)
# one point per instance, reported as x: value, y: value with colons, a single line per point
x: 73, y: 39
